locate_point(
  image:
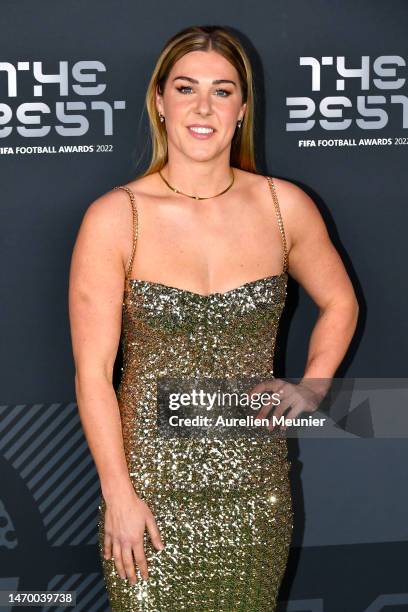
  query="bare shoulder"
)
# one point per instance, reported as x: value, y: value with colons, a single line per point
x: 107, y: 224
x: 108, y: 210
x: 294, y: 201
x: 145, y: 186
x: 300, y: 213
x: 288, y: 193
x: 298, y: 210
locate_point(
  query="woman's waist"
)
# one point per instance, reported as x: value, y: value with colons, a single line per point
x: 180, y: 464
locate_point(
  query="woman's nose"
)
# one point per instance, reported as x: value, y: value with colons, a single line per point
x: 203, y: 104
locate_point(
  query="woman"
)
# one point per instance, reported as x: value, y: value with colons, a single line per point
x: 197, y: 523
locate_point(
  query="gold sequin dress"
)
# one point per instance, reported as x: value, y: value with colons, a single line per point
x: 223, y: 506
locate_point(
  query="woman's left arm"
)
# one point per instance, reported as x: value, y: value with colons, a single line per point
x: 316, y: 265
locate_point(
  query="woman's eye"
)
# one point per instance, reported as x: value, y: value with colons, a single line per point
x: 224, y: 92
x: 183, y: 87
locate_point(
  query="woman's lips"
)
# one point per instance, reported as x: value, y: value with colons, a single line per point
x: 201, y: 135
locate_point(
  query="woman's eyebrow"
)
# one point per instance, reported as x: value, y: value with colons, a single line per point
x: 216, y: 82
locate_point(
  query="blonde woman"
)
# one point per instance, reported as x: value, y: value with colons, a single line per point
x: 187, y: 265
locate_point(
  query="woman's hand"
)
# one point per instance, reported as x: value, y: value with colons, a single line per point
x: 126, y: 519
x: 304, y: 396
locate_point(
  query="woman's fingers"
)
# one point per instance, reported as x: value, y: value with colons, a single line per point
x: 154, y: 533
x: 107, y: 548
x: 125, y: 559
x: 117, y: 555
x: 128, y: 563
x: 127, y: 549
x: 263, y: 387
x: 275, y: 388
x: 140, y: 560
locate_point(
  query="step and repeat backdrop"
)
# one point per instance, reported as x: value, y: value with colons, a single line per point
x: 331, y: 116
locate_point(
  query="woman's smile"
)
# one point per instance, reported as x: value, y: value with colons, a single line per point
x: 201, y: 132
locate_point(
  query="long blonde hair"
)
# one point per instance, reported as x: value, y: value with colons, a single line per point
x: 203, y: 38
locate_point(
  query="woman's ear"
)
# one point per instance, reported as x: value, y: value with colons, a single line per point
x: 159, y: 101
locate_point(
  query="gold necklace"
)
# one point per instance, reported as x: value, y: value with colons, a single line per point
x: 198, y: 197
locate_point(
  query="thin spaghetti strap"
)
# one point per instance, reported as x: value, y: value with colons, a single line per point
x: 280, y: 222
x: 135, y: 225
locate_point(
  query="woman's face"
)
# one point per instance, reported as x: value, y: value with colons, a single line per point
x: 193, y: 97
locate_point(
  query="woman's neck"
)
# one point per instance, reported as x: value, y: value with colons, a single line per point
x: 199, y: 179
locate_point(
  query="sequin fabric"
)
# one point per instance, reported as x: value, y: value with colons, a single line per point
x: 223, y: 506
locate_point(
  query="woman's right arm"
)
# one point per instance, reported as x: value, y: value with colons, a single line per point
x: 95, y: 309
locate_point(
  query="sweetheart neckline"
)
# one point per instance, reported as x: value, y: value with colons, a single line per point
x: 207, y: 295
